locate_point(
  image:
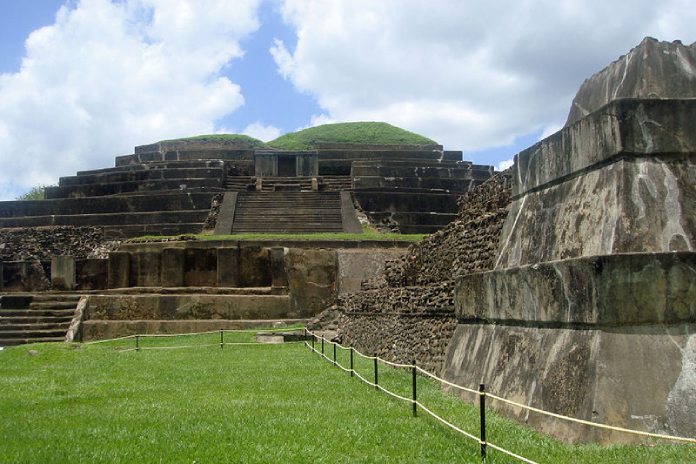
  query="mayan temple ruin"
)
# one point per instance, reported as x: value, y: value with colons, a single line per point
x: 566, y: 283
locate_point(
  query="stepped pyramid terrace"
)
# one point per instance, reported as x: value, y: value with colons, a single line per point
x: 331, y: 179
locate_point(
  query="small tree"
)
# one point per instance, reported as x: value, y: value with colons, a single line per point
x: 36, y: 193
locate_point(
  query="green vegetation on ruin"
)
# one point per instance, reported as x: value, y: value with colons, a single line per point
x: 373, y: 133
x: 229, y: 138
x: 35, y: 193
x: 251, y: 404
x: 368, y: 235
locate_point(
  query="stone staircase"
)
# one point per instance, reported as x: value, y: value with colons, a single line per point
x: 36, y: 318
x: 238, y: 183
x: 288, y: 212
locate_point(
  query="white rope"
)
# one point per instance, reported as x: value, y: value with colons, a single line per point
x: 364, y: 379
x: 510, y: 453
x: 364, y: 355
x: 592, y: 424
x: 448, y: 424
x: 178, y: 347
x: 177, y: 334
x: 454, y: 385
x: 393, y: 364
x: 403, y: 398
x: 109, y: 340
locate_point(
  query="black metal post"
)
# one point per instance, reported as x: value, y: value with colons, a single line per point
x: 482, y: 409
x: 137, y: 343
x: 351, y: 362
x: 222, y: 339
x: 322, y: 344
x: 376, y: 376
x: 334, y: 354
x: 313, y: 337
x: 413, y: 380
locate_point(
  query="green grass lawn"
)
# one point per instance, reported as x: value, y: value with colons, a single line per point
x: 252, y: 404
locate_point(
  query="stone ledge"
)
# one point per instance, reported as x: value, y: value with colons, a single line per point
x: 610, y: 290
x: 622, y: 128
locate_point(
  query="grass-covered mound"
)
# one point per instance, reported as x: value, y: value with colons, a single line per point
x: 373, y: 133
x: 223, y: 138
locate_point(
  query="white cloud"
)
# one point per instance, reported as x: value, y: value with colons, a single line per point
x: 503, y: 165
x: 109, y: 75
x: 262, y: 132
x: 471, y: 75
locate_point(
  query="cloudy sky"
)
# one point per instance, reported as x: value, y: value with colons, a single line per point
x: 82, y: 81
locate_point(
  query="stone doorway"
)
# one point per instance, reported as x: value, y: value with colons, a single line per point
x: 287, y: 166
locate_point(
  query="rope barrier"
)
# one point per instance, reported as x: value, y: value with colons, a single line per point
x: 454, y: 385
x: 593, y: 424
x: 510, y: 453
x: 109, y: 340
x: 530, y: 408
x: 410, y: 400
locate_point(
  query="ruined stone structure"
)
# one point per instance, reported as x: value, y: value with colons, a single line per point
x: 590, y: 309
x: 585, y: 302
x: 69, y: 242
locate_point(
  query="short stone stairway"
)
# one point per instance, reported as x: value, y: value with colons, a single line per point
x: 36, y: 318
x: 288, y: 212
x: 238, y: 183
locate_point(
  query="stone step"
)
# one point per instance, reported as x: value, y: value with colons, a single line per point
x: 107, y: 219
x: 4, y: 320
x: 44, y: 297
x: 34, y: 327
x: 27, y: 340
x: 159, y: 165
x: 159, y: 201
x: 36, y: 312
x: 143, y: 176
x: 114, y: 188
x: 34, y: 334
x: 49, y: 305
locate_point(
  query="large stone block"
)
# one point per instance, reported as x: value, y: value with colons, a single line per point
x: 119, y: 269
x: 63, y: 276
x: 173, y: 263
x: 637, y: 377
x: 622, y: 129
x: 613, y: 290
x: 311, y: 278
x: 653, y: 69
x: 632, y: 205
x: 228, y: 267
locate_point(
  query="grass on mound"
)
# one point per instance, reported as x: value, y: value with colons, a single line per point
x: 368, y: 235
x: 251, y: 404
x: 255, y: 143
x: 374, y: 133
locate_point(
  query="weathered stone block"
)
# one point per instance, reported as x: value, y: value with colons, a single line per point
x: 145, y: 269
x: 200, y: 269
x: 622, y: 129
x: 279, y: 278
x: 63, y: 272
x: 119, y: 269
x: 637, y: 377
x: 613, y: 290
x: 228, y: 267
x: 632, y: 205
x: 173, y: 263
x: 312, y: 279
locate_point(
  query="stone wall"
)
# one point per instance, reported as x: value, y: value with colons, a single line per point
x: 407, y: 312
x: 41, y: 243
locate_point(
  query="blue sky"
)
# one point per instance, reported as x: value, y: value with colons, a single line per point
x: 83, y: 81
